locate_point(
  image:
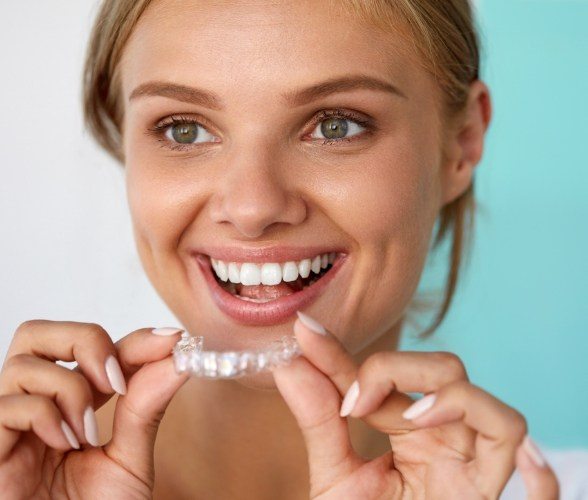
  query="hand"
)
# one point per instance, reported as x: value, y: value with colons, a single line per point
x: 37, y: 459
x: 464, y: 443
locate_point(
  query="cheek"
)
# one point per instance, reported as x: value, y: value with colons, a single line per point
x: 390, y: 212
x: 156, y: 202
x: 394, y: 200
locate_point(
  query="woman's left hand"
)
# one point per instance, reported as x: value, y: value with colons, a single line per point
x: 464, y: 443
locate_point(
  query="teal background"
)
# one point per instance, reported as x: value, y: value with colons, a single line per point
x: 520, y: 317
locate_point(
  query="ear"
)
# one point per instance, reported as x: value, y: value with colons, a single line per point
x: 465, y: 143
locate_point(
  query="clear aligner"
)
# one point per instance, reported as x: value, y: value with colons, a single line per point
x: 189, y: 357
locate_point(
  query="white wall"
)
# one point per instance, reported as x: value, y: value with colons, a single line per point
x: 66, y: 244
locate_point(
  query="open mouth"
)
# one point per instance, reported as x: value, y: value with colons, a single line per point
x: 267, y: 282
x: 264, y: 294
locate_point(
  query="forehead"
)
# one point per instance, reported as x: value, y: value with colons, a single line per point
x: 243, y: 46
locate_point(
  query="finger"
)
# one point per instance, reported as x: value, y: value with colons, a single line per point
x: 407, y: 371
x: 500, y: 428
x: 139, y: 347
x: 87, y: 343
x: 71, y: 392
x: 150, y: 389
x: 31, y: 412
x: 385, y: 377
x: 314, y: 402
x: 388, y: 374
x: 326, y: 352
x: 539, y: 478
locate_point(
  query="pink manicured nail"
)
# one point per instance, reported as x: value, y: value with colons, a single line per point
x: 350, y: 399
x: 166, y: 331
x: 115, y: 375
x: 419, y: 407
x: 533, y: 451
x: 311, y: 324
x: 91, y: 426
x: 69, y: 435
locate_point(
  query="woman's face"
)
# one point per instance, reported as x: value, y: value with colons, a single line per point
x: 251, y: 169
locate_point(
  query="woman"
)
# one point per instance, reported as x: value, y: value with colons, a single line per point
x: 262, y: 134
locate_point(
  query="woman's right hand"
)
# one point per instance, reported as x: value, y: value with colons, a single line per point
x: 37, y: 395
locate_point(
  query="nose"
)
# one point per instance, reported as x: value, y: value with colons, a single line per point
x: 255, y: 193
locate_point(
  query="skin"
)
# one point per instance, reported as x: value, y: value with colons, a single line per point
x: 260, y: 180
x: 263, y: 183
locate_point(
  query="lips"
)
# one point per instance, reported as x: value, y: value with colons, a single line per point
x: 267, y: 313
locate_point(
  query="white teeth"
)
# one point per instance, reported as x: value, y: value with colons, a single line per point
x: 304, y: 268
x: 221, y: 270
x: 250, y: 274
x: 315, y: 266
x: 271, y: 274
x: 234, y: 273
x: 290, y: 271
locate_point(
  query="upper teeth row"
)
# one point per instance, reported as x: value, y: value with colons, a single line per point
x: 271, y: 273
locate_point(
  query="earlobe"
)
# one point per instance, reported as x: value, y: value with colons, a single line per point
x: 466, y: 143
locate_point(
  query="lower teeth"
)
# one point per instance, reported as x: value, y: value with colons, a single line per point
x: 250, y: 299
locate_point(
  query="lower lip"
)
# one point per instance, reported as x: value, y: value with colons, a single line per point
x: 265, y: 313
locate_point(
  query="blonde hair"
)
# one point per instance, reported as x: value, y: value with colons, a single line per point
x: 443, y: 33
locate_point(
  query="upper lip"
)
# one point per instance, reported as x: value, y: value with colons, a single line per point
x: 260, y: 255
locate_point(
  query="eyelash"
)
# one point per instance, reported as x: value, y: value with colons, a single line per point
x: 161, y: 127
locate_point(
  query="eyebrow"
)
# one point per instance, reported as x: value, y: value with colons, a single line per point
x: 298, y: 97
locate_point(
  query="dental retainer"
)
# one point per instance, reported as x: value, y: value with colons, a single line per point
x: 189, y: 357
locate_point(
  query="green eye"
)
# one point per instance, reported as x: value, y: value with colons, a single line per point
x: 184, y: 133
x: 334, y: 128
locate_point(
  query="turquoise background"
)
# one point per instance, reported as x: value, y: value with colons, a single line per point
x: 520, y: 319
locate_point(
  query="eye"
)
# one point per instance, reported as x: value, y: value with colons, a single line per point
x: 187, y: 133
x: 334, y: 126
x: 183, y: 133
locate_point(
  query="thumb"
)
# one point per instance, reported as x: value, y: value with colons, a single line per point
x: 139, y: 412
x: 315, y: 403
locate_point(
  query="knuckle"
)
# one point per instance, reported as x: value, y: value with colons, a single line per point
x: 94, y: 332
x: 27, y: 327
x: 461, y: 389
x: 17, y: 362
x: 452, y: 364
x: 377, y: 362
x: 516, y: 426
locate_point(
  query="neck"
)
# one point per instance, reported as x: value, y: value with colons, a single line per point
x: 243, y: 435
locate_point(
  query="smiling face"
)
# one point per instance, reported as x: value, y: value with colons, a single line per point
x: 251, y: 168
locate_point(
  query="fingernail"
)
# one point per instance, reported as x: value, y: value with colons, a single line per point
x: 166, y: 330
x: 311, y: 324
x: 533, y: 451
x: 419, y: 407
x: 91, y: 426
x: 115, y: 375
x: 350, y: 399
x: 69, y: 435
